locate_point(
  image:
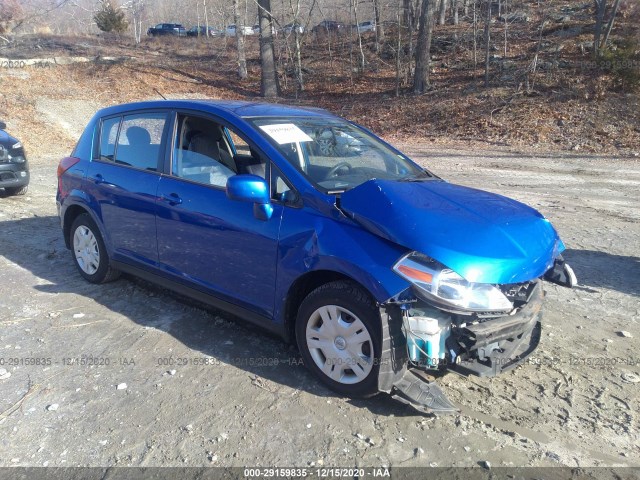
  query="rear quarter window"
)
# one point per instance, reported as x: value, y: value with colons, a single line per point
x: 108, y: 136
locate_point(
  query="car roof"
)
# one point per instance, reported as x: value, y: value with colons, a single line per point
x: 237, y: 108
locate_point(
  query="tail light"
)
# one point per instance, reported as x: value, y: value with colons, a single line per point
x: 65, y: 164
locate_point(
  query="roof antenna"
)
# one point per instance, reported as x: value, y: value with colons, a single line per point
x: 158, y: 92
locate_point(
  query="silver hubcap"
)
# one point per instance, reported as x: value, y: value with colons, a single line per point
x: 86, y: 250
x: 340, y: 344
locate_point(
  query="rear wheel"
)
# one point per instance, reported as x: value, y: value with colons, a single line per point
x: 16, y: 190
x: 338, y: 334
x: 89, y: 252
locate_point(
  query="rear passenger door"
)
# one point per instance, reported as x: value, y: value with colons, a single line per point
x: 122, y: 182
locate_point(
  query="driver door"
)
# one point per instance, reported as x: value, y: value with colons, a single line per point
x: 205, y: 239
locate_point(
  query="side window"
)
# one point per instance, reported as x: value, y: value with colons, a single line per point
x: 200, y: 152
x: 139, y: 140
x: 241, y: 147
x: 281, y: 189
x: 108, y: 135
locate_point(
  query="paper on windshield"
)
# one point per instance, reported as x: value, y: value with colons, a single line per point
x: 285, y: 133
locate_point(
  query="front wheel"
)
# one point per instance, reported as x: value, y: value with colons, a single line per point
x: 338, y: 334
x: 89, y: 252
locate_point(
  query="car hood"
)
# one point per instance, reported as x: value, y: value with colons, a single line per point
x: 6, y: 139
x: 484, y: 237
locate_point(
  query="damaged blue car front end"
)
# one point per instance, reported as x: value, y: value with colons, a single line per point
x: 475, y: 266
x: 457, y: 272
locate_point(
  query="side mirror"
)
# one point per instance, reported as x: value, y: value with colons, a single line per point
x: 251, y: 188
x: 3, y: 125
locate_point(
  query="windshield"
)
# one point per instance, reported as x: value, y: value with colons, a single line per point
x: 334, y: 154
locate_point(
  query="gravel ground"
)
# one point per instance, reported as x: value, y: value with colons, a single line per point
x: 142, y: 396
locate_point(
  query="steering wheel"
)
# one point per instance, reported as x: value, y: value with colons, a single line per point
x: 332, y: 173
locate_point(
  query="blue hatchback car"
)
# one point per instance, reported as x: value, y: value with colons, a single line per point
x: 312, y: 227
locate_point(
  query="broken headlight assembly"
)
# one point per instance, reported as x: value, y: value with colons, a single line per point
x: 445, y: 289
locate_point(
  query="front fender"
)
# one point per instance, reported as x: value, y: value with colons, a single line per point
x: 310, y: 242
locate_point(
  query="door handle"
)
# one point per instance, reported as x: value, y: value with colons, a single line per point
x: 171, y: 199
x: 98, y: 179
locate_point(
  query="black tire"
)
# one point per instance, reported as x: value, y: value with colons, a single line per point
x: 104, y: 272
x: 16, y: 190
x: 348, y: 296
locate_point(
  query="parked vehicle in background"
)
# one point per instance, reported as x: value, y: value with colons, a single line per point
x: 14, y: 168
x: 201, y: 31
x: 368, y: 26
x: 163, y: 29
x: 256, y: 29
x: 291, y: 27
x: 231, y: 30
x: 327, y: 26
x: 314, y: 228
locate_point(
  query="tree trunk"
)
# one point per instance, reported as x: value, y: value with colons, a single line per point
x: 455, y: 5
x: 475, y: 38
x: 506, y: 31
x: 269, y: 79
x: 423, y: 47
x: 355, y: 17
x: 601, y: 6
x: 443, y: 11
x: 206, y: 19
x: 408, y: 12
x: 398, y: 47
x: 379, y: 27
x: 242, y: 60
x: 607, y: 31
x: 487, y: 44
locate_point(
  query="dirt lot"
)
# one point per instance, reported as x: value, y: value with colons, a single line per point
x: 578, y: 406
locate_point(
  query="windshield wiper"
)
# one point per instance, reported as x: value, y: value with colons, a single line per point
x: 424, y: 174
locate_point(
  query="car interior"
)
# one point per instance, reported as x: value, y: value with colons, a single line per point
x: 203, y: 154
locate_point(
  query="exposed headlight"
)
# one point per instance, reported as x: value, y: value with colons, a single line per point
x: 17, y: 159
x: 447, y: 289
x: 16, y: 145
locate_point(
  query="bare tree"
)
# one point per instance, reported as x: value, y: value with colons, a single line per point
x: 487, y: 44
x: 28, y: 12
x: 612, y: 17
x: 136, y: 7
x: 269, y: 78
x: 601, y: 6
x: 423, y: 47
x: 475, y: 36
x: 443, y: 11
x: 242, y: 60
x: 355, y: 17
x: 379, y: 25
x: 409, y: 15
x: 398, y: 46
x: 11, y: 13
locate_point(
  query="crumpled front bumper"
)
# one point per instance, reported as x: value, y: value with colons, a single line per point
x: 485, y: 349
x: 498, y: 345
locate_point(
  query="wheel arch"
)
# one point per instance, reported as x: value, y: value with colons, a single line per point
x: 303, y: 286
x: 71, y: 213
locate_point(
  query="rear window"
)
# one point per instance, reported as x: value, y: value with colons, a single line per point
x: 139, y: 140
x: 133, y: 140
